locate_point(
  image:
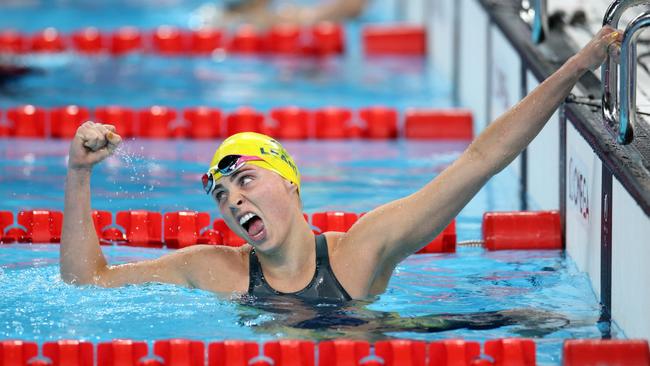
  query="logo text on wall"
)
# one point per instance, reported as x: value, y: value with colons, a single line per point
x: 578, y: 188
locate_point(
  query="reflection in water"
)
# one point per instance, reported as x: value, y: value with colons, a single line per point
x: 295, y: 318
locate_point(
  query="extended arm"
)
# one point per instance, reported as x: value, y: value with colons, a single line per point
x: 261, y: 14
x: 82, y: 260
x: 393, y: 231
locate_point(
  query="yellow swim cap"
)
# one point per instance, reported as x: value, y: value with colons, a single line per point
x: 274, y: 157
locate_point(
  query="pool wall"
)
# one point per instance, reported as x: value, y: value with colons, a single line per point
x: 602, y: 189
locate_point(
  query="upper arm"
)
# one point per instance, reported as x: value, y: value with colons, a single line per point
x: 171, y: 268
x: 391, y: 232
x: 207, y: 267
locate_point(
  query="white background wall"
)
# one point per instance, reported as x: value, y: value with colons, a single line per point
x: 631, y: 272
x: 544, y: 162
x: 504, y: 73
x: 473, y: 61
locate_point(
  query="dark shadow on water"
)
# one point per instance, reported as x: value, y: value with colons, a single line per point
x: 295, y: 318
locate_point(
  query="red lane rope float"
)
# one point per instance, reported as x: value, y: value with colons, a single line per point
x: 121, y: 352
x: 453, y: 352
x: 142, y: 228
x: 26, y: 121
x: 245, y: 119
x: 125, y: 40
x: 15, y: 352
x: 180, y: 352
x: 69, y: 352
x: 289, y: 352
x: 155, y: 122
x: 284, y: 39
x: 64, y: 121
x: 522, y: 230
x: 339, y: 352
x: 89, y: 40
x: 394, y: 40
x: 202, y: 122
x: 454, y: 124
x: 332, y: 123
x: 322, y: 39
x: 122, y: 118
x: 12, y: 42
x: 592, y: 352
x: 328, y: 39
x: 511, y: 351
x: 402, y: 352
x: 381, y: 122
x: 232, y: 352
x: 205, y: 41
x: 181, y: 229
x: 342, y: 351
x: 47, y: 40
x: 292, y: 123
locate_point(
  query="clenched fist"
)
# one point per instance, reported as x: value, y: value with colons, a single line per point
x: 92, y: 143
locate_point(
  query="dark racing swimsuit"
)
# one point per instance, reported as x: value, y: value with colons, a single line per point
x: 323, y: 286
x: 325, y: 305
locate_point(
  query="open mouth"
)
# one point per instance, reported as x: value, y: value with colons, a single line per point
x: 253, y: 225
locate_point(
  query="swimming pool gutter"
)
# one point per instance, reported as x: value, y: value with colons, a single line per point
x: 629, y: 164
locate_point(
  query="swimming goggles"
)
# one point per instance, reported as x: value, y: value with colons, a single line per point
x: 226, y: 166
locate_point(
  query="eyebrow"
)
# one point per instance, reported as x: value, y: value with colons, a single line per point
x: 232, y: 177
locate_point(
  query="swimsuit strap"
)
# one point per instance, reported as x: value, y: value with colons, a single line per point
x: 255, y: 275
x: 322, y: 254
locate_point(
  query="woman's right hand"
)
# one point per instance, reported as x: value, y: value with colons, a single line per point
x: 92, y: 143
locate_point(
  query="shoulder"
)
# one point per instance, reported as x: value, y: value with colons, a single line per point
x: 216, y: 268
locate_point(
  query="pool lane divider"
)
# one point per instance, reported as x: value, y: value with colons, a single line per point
x: 338, y: 352
x: 286, y: 123
x: 178, y: 230
x: 522, y: 230
x: 321, y: 39
x: 501, y: 230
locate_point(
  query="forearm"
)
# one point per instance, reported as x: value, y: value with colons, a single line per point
x: 337, y: 11
x: 504, y: 139
x: 81, y: 256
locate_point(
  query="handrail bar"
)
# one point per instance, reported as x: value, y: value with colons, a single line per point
x: 609, y: 72
x: 627, y: 93
x: 540, y: 21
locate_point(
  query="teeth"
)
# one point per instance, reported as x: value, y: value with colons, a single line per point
x: 245, y: 218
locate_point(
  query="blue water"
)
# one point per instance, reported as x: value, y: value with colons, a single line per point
x: 351, y: 176
x: 36, y: 305
x: 164, y: 176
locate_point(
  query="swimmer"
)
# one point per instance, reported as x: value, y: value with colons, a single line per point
x: 262, y: 14
x: 256, y: 185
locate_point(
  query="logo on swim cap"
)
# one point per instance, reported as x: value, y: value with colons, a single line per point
x: 273, y: 156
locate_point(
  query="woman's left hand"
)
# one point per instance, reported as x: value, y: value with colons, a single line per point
x: 593, y: 54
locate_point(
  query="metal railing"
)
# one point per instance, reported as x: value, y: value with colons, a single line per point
x: 620, y: 119
x: 540, y: 21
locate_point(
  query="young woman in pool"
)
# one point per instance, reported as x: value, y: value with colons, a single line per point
x: 257, y: 188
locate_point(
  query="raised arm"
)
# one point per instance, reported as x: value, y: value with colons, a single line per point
x: 261, y: 14
x: 82, y: 260
x: 390, y: 233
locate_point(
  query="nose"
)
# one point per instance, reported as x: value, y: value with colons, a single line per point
x: 236, y: 199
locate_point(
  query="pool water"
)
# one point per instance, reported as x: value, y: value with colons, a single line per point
x: 164, y: 176
x: 351, y: 176
x: 38, y: 306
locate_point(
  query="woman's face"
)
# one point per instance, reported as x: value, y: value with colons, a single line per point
x: 257, y: 204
